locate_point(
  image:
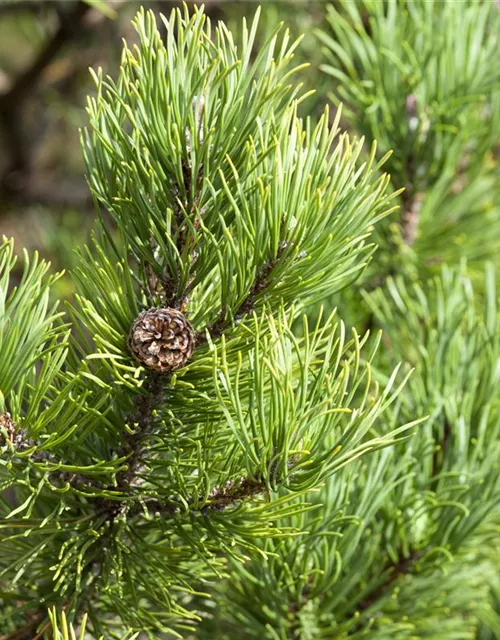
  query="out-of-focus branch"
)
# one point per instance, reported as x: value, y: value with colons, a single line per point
x: 412, y: 203
x: 12, y: 101
x: 7, y: 8
x: 27, y: 631
x: 412, y: 200
x: 403, y: 566
x: 69, y: 24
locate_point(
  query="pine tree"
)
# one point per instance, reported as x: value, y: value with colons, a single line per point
x: 418, y: 78
x: 197, y: 447
x: 405, y: 543
x: 176, y: 418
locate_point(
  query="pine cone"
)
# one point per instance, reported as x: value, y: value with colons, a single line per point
x: 9, y: 425
x: 162, y: 339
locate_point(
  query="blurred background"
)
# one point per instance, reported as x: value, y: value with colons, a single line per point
x: 46, y: 49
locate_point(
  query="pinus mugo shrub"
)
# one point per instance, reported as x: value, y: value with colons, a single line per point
x: 197, y: 447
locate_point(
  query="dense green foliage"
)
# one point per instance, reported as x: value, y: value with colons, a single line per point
x: 418, y: 78
x: 298, y: 477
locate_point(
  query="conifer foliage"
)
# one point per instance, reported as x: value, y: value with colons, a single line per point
x: 418, y: 77
x: 174, y: 418
x: 405, y: 543
x: 195, y: 448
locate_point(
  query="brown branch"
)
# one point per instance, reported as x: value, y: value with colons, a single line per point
x: 247, y: 305
x: 166, y: 284
x: 21, y: 442
x: 27, y: 631
x: 412, y: 201
x: 134, y: 446
x: 395, y: 570
x: 145, y: 405
x: 439, y: 451
x: 412, y: 204
x: 233, y: 492
x: 219, y: 499
x: 403, y: 566
x: 142, y: 417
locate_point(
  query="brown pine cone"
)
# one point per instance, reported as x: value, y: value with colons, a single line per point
x: 162, y: 339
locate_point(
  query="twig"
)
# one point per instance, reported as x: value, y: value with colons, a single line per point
x: 402, y: 567
x: 232, y: 492
x: 22, y: 442
x: 394, y: 571
x: 439, y: 451
x: 141, y: 416
x: 412, y: 204
x: 219, y: 499
x: 260, y: 284
x: 25, y: 632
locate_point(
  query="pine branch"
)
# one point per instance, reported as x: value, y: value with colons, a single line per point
x: 266, y: 406
x: 148, y: 402
x: 179, y: 299
x: 247, y: 306
x: 412, y: 201
x: 219, y: 499
x: 27, y: 631
x: 133, y: 448
x: 396, y: 570
x: 142, y: 418
x: 403, y: 566
x: 22, y: 442
x: 232, y: 492
x: 440, y: 450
